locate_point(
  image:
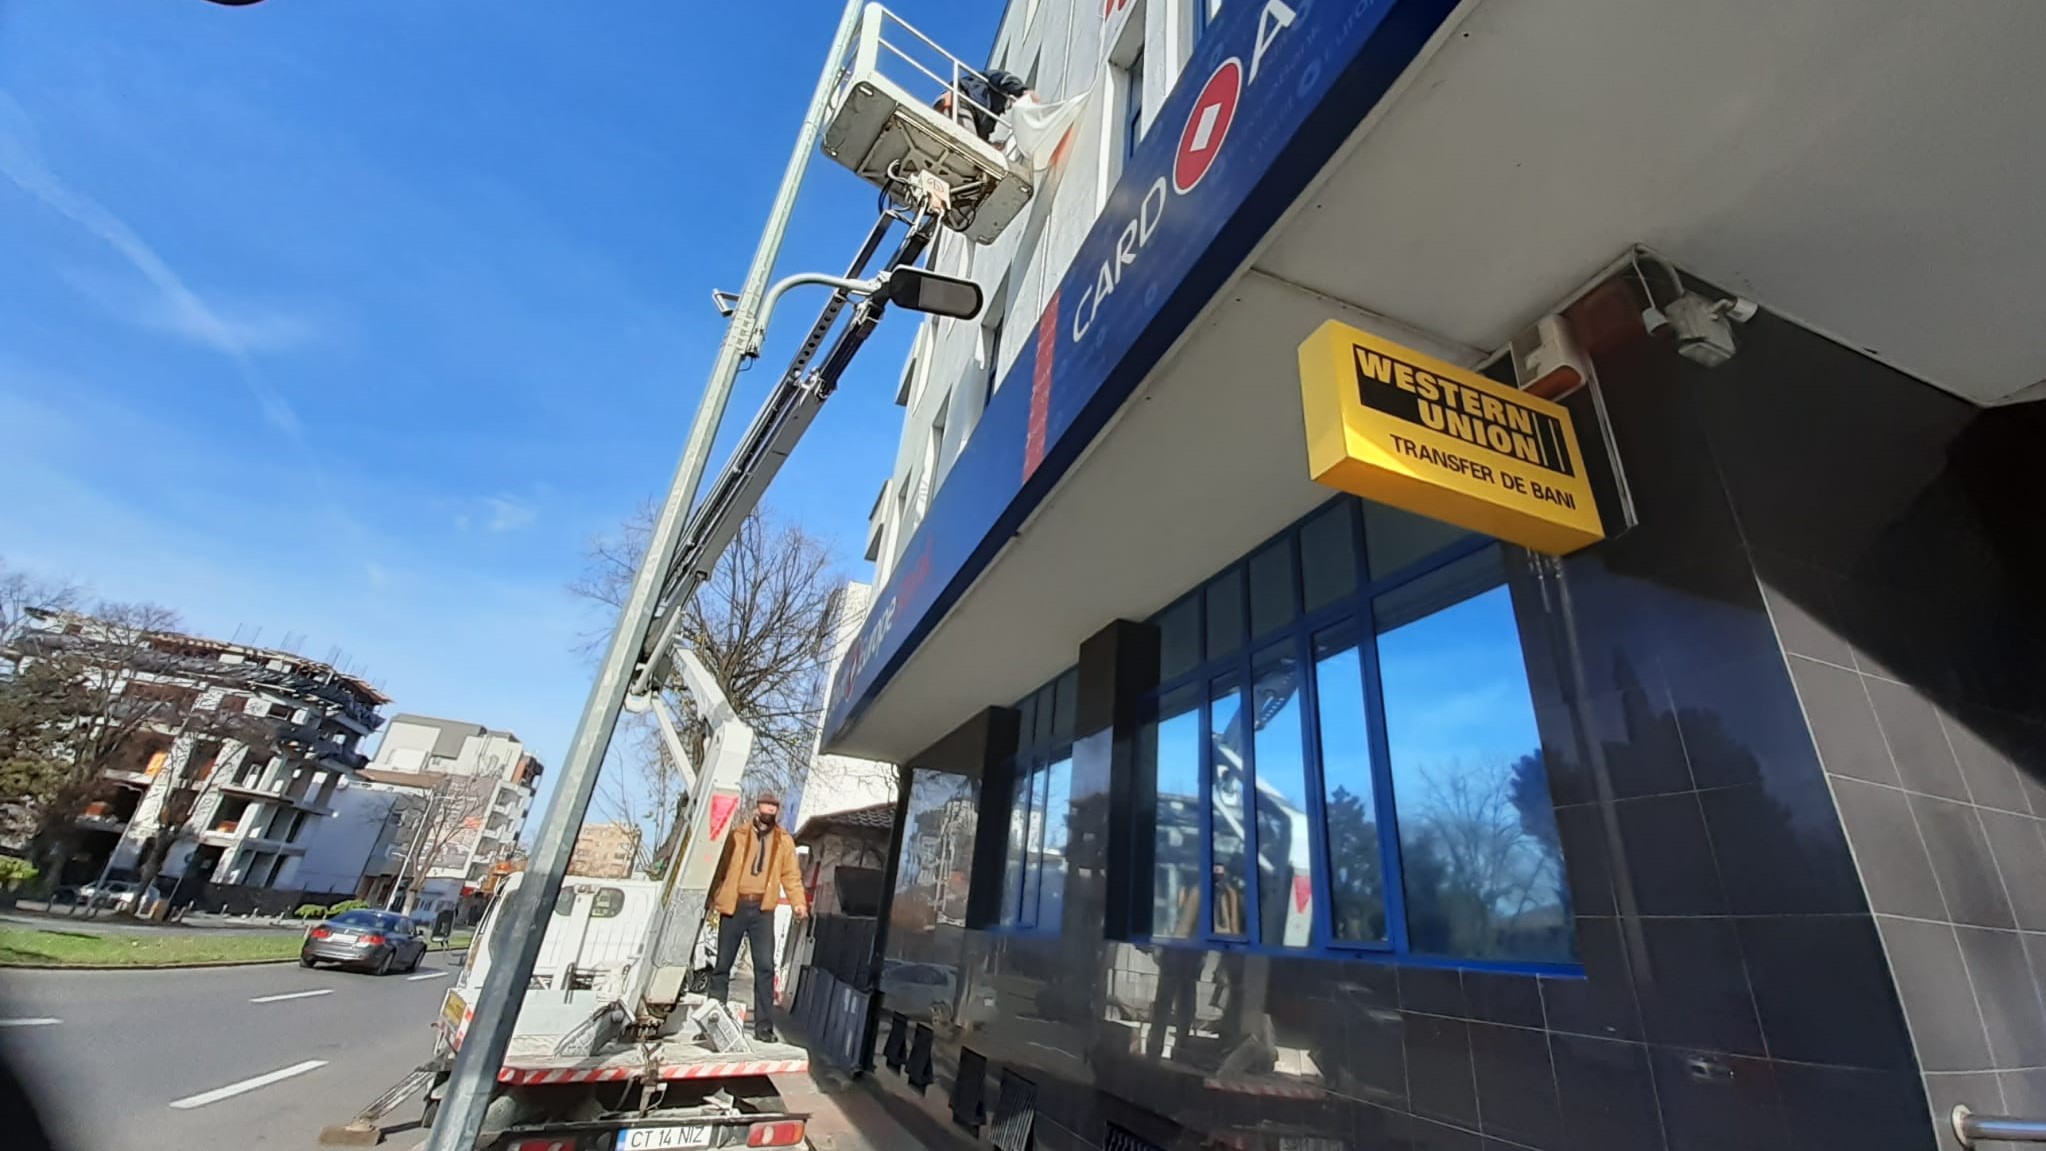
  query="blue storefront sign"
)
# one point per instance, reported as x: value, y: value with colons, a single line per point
x: 1272, y: 91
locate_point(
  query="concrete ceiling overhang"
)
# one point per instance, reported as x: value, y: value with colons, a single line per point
x: 1871, y: 170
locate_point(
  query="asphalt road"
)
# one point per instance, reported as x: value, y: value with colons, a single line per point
x: 216, y: 1059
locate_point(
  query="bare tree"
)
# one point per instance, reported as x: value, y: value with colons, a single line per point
x: 438, y: 827
x: 762, y: 625
x: 22, y: 596
x: 643, y: 787
x: 102, y: 663
x: 191, y: 772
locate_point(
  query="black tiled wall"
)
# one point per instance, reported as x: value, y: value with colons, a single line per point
x: 1738, y: 992
x: 1900, y: 560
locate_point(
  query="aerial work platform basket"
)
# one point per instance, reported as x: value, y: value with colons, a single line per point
x: 890, y: 130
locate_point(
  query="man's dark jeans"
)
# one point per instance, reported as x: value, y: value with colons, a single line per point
x: 757, y: 928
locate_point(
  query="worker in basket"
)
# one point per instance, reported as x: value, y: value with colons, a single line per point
x: 756, y: 872
x: 985, y: 98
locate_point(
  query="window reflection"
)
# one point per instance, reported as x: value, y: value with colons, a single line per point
x: 1176, y: 836
x: 1284, y: 852
x: 937, y: 854
x: 1225, y: 803
x: 1058, y: 793
x: 1356, y: 886
x: 1019, y: 841
x: 1033, y: 857
x: 1478, y: 846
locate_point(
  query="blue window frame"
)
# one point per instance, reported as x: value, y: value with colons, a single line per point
x: 1040, y: 801
x: 1341, y: 755
x: 1204, y: 13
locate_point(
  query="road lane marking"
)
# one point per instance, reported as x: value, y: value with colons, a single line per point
x: 42, y: 1021
x: 246, y: 1085
x: 426, y: 975
x: 291, y: 995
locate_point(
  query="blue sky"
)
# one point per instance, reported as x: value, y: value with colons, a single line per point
x: 354, y: 321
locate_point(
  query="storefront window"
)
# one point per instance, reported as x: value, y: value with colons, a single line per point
x: 1478, y: 847
x: 1173, y: 745
x: 1353, y: 683
x: 1034, y: 872
x: 1350, y: 809
x: 1285, y: 868
x: 937, y: 857
x: 1227, y: 835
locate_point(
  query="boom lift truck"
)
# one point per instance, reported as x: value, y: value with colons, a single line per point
x: 548, y: 1041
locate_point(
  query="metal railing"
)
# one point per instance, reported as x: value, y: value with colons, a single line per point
x: 874, y: 38
x: 1971, y: 1129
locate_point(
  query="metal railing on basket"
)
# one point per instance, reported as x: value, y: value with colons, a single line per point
x: 874, y: 38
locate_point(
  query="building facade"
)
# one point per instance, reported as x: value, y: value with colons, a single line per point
x: 838, y: 783
x: 605, y: 851
x: 239, y: 763
x: 1239, y: 811
x: 447, y: 800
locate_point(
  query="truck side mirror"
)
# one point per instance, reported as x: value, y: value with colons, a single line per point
x: 922, y: 291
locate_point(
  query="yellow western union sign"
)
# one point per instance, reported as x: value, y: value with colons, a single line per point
x: 1395, y: 426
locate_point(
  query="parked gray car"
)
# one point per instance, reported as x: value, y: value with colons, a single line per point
x: 379, y: 941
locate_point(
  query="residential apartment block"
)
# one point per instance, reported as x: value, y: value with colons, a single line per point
x: 252, y: 747
x: 438, y: 806
x: 605, y: 851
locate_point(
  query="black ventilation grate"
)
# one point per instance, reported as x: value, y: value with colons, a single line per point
x: 969, y: 1108
x: 1120, y: 1139
x: 1015, y: 1113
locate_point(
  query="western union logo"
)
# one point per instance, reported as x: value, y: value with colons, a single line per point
x: 1417, y: 395
x: 1404, y: 429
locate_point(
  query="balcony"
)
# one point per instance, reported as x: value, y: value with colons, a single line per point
x: 101, y: 817
x: 334, y: 758
x: 141, y: 779
x: 270, y: 789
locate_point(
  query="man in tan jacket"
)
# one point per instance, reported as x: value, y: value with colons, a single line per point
x: 755, y: 873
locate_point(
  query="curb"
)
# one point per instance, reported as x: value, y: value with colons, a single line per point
x: 6, y: 967
x: 144, y: 966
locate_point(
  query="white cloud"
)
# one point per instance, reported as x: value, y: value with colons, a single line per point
x: 231, y: 327
x: 509, y: 515
x: 21, y: 161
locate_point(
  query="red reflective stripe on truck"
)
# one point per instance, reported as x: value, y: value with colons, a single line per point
x: 548, y: 1076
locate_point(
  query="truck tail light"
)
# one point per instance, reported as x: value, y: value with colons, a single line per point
x: 780, y: 1133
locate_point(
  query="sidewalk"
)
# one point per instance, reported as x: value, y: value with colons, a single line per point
x: 848, y: 1114
x: 39, y: 914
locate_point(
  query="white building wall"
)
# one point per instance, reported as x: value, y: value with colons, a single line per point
x: 837, y: 782
x: 426, y: 744
x: 339, y: 852
x: 1066, y: 48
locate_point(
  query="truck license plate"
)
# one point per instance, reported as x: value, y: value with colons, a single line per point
x: 662, y: 1138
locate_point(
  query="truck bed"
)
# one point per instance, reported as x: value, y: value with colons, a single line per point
x: 531, y: 1061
